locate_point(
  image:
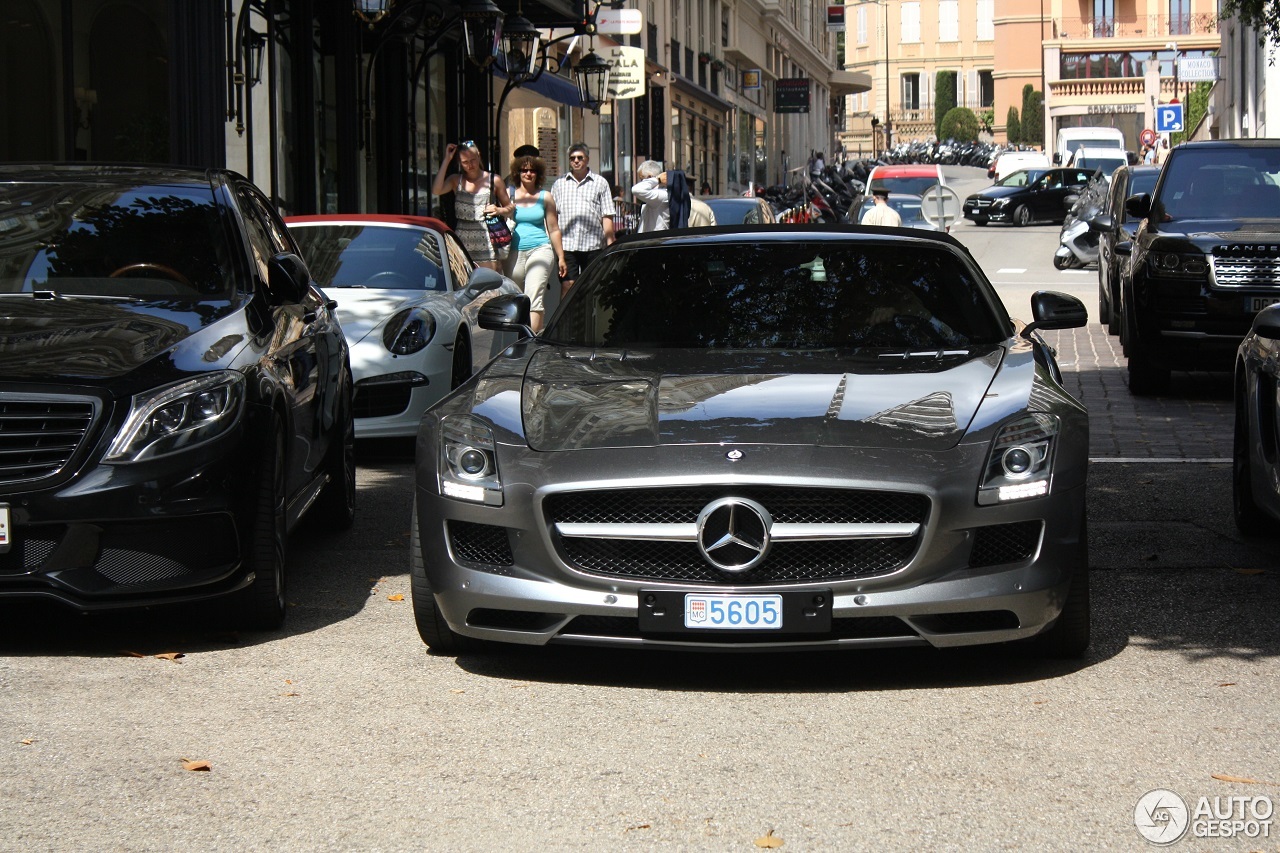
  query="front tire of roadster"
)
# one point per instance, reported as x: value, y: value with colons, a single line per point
x: 432, y: 628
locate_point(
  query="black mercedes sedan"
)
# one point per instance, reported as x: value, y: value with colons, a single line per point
x: 1026, y: 196
x: 763, y: 438
x: 175, y: 392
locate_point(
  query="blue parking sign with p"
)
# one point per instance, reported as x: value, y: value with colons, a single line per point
x: 1169, y: 118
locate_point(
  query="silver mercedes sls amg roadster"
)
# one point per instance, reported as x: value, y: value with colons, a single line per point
x: 774, y: 438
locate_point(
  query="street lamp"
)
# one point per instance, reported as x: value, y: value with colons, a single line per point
x: 527, y: 56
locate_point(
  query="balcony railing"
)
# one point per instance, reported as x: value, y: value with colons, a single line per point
x: 1106, y: 87
x: 1138, y: 26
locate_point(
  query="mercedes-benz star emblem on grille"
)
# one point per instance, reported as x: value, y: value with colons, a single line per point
x: 733, y: 534
x: 733, y: 455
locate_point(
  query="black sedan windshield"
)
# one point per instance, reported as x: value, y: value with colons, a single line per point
x: 775, y: 295
x: 143, y: 242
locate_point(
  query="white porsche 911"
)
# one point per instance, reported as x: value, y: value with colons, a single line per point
x: 405, y: 289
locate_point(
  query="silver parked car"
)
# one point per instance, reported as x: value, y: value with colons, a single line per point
x: 776, y: 437
x: 1256, y: 468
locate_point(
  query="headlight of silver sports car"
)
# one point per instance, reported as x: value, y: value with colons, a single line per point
x: 409, y: 331
x: 178, y: 417
x: 1021, y: 461
x: 469, y: 461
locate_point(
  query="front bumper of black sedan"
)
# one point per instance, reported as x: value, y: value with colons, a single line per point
x: 984, y: 210
x: 140, y: 534
x: 973, y: 574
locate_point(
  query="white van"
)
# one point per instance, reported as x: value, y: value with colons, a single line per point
x: 1106, y: 159
x: 1011, y: 161
x: 1071, y: 138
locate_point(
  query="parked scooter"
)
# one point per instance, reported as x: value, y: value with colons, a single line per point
x: 1077, y: 242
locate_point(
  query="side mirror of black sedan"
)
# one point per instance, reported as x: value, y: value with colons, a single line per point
x: 1102, y: 223
x: 287, y: 278
x: 1138, y: 206
x: 506, y: 314
x: 1053, y: 310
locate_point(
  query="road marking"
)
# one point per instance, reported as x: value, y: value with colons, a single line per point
x: 1011, y: 270
x: 1076, y: 272
x: 1163, y: 460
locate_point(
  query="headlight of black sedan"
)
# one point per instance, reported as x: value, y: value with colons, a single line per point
x: 178, y: 417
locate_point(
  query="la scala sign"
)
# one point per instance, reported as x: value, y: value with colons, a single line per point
x: 626, y: 72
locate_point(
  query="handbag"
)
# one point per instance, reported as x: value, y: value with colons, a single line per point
x: 499, y: 233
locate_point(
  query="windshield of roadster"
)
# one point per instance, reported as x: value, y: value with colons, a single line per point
x: 768, y: 294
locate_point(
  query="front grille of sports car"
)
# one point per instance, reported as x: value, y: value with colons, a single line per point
x: 998, y: 544
x: 480, y: 543
x: 791, y: 561
x: 39, y: 435
x: 381, y: 400
x: 1246, y: 265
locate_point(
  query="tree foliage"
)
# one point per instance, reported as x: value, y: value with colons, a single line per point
x: 960, y: 124
x: 1197, y: 104
x: 1262, y: 15
x: 1013, y: 127
x: 1032, y: 116
x: 944, y: 99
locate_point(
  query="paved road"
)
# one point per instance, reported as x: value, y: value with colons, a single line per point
x: 343, y: 733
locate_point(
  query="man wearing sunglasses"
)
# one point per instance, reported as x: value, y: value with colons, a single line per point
x: 585, y: 204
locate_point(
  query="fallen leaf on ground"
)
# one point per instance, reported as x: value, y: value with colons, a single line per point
x: 1227, y: 684
x: 27, y: 741
x: 457, y: 690
x: 638, y: 826
x: 290, y: 694
x: 130, y: 654
x: 395, y: 597
x: 1223, y: 777
x: 769, y: 840
x: 171, y: 656
x: 196, y: 765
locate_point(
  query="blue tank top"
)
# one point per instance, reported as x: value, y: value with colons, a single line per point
x: 531, y: 229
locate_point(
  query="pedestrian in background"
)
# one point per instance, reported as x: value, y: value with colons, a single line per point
x: 585, y: 206
x: 477, y: 194
x: 651, y: 190
x: 536, y: 244
x: 1162, y: 151
x: 881, y: 213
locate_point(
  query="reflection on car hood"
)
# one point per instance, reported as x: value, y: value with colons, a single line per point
x: 579, y: 399
x: 70, y: 338
x: 998, y: 192
x: 361, y: 310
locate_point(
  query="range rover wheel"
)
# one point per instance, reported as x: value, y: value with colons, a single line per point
x: 432, y: 628
x: 1249, y: 517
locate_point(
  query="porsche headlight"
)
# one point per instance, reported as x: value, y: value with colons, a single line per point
x: 179, y: 417
x: 469, y: 461
x: 1020, y: 465
x: 409, y: 331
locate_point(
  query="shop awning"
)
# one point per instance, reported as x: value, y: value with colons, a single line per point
x: 547, y: 84
x: 849, y: 82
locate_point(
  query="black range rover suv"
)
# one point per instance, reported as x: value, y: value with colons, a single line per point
x: 1206, y: 259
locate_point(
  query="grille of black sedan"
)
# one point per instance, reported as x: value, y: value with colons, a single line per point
x: 38, y: 436
x: 790, y: 561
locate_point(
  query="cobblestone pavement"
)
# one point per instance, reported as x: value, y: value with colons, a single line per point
x: 1193, y: 422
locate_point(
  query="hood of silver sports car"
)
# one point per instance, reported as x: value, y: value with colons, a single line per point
x: 581, y: 399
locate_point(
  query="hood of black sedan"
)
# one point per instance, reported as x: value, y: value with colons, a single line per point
x: 998, y: 192
x: 576, y: 400
x: 76, y: 338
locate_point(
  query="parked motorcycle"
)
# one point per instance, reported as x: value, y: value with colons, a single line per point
x: 1077, y: 242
